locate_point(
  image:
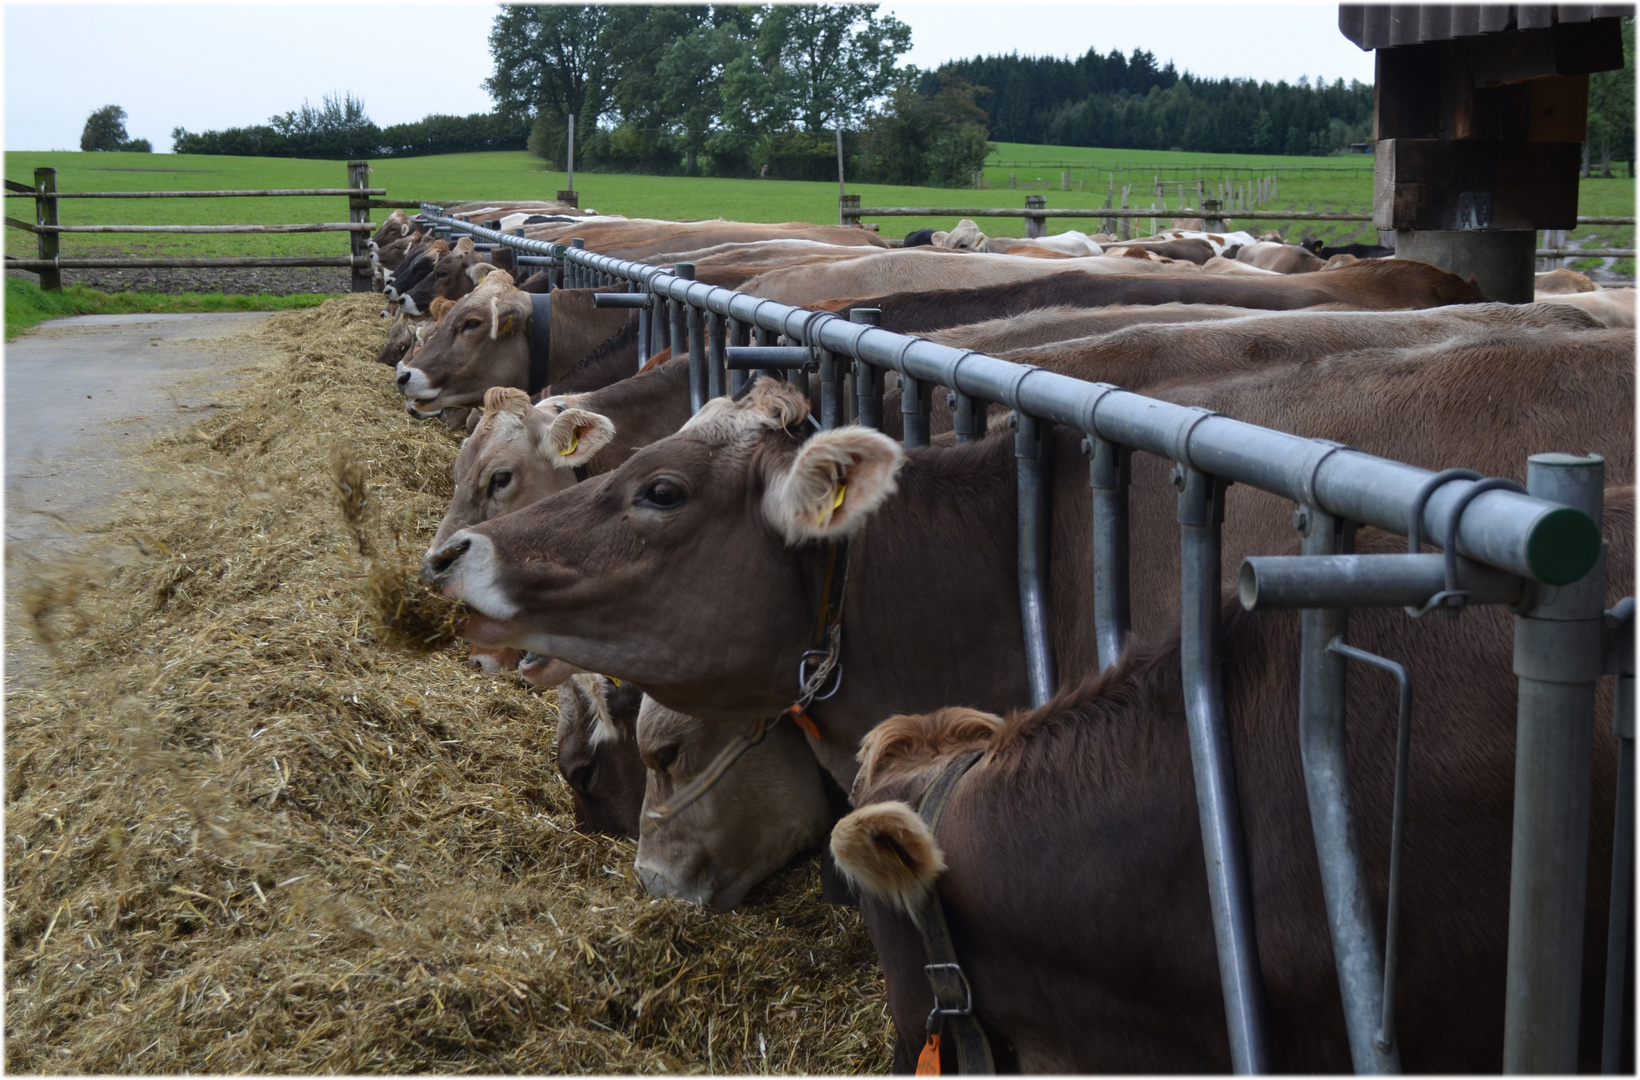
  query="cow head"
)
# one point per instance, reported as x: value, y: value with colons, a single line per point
x: 395, y: 227
x: 519, y: 454
x: 598, y: 754
x: 453, y: 276
x: 769, y: 806
x: 672, y: 570
x: 418, y: 262
x: 484, y: 341
x: 390, y: 256
x: 964, y: 237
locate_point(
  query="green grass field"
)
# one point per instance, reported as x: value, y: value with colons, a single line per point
x: 28, y: 305
x: 1339, y: 183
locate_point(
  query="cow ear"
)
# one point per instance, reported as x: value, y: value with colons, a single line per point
x: 574, y: 436
x: 404, y: 228
x: 505, y: 318
x: 889, y: 853
x: 834, y: 483
x: 439, y: 308
x: 479, y: 271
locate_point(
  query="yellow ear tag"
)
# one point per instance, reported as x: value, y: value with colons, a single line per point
x: 574, y: 441
x: 616, y: 681
x: 821, y: 516
x: 506, y: 327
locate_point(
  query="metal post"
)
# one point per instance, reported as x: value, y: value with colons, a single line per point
x: 968, y: 417
x: 840, y: 191
x: 914, y: 410
x: 1357, y: 954
x: 679, y: 343
x: 571, y: 182
x: 797, y: 376
x: 45, y: 213
x: 1035, y: 521
x: 1109, y: 474
x: 575, y: 273
x: 358, y: 210
x: 688, y: 336
x: 1621, y: 664
x: 1558, y: 657
x: 869, y: 377
x: 833, y: 388
x: 716, y: 365
x: 1201, y: 517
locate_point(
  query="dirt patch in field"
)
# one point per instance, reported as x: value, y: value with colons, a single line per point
x: 244, y: 833
x: 275, y: 280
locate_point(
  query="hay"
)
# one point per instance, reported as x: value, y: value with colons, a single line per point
x: 248, y: 829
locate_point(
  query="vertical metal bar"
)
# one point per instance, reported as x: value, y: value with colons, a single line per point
x: 868, y: 378
x: 695, y: 342
x: 1201, y: 517
x: 968, y: 417
x: 1109, y: 473
x: 1035, y: 509
x: 45, y: 213
x: 1558, y: 657
x: 716, y: 359
x: 645, y: 317
x: 914, y: 410
x: 738, y: 335
x: 1325, y: 754
x: 358, y: 210
x: 1622, y: 890
x: 833, y: 388
x: 680, y: 342
x: 581, y: 282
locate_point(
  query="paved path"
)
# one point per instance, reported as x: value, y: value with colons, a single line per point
x: 81, y: 395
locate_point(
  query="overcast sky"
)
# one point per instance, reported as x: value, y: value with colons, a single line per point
x: 228, y: 65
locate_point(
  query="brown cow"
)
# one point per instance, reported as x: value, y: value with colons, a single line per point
x: 1070, y: 865
x: 453, y: 276
x: 485, y: 342
x: 641, y: 239
x: 1282, y: 258
x: 768, y: 807
x: 925, y: 268
x: 1613, y: 307
x: 1369, y: 285
x: 1039, y: 326
x: 692, y: 569
x: 597, y: 751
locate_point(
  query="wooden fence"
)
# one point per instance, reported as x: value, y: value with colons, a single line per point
x: 50, y: 263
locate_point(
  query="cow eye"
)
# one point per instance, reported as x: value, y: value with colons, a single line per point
x: 661, y: 494
x: 499, y: 479
x: 471, y: 324
x: 584, y: 777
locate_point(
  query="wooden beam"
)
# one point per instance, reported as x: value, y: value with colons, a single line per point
x: 1428, y: 183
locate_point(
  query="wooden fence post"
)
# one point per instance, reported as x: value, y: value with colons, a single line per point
x: 358, y: 210
x: 848, y: 210
x: 1035, y: 226
x: 45, y: 213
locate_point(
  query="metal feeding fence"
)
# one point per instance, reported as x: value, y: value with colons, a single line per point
x: 1538, y: 551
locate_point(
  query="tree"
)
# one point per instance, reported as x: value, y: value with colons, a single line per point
x: 105, y: 130
x: 337, y: 128
x: 690, y: 77
x: 551, y: 62
x: 834, y: 60
x: 924, y: 138
x: 1611, y: 110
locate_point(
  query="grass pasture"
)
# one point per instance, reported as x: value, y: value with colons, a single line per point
x: 1319, y: 184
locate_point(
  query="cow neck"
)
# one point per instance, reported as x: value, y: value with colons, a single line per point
x: 931, y: 607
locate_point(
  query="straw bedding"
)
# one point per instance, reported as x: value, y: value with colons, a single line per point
x: 261, y: 818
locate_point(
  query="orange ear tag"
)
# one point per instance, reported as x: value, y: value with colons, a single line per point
x: 928, y: 1062
x: 574, y: 441
x: 802, y: 719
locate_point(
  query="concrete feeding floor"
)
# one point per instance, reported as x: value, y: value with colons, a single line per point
x: 81, y: 395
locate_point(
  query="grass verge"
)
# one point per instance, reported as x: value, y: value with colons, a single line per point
x: 28, y: 305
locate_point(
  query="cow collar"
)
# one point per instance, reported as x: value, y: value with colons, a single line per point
x: 824, y: 653
x: 953, y: 996
x: 540, y: 341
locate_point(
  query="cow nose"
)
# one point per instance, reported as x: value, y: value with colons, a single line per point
x: 438, y: 563
x: 404, y: 377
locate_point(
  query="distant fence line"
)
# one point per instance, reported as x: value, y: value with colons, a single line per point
x: 1212, y: 212
x: 50, y: 263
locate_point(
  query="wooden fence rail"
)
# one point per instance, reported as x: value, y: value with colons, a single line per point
x: 47, y: 229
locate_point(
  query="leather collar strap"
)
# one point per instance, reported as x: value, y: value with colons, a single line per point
x: 953, y: 997
x: 827, y: 641
x: 700, y: 785
x: 540, y: 341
